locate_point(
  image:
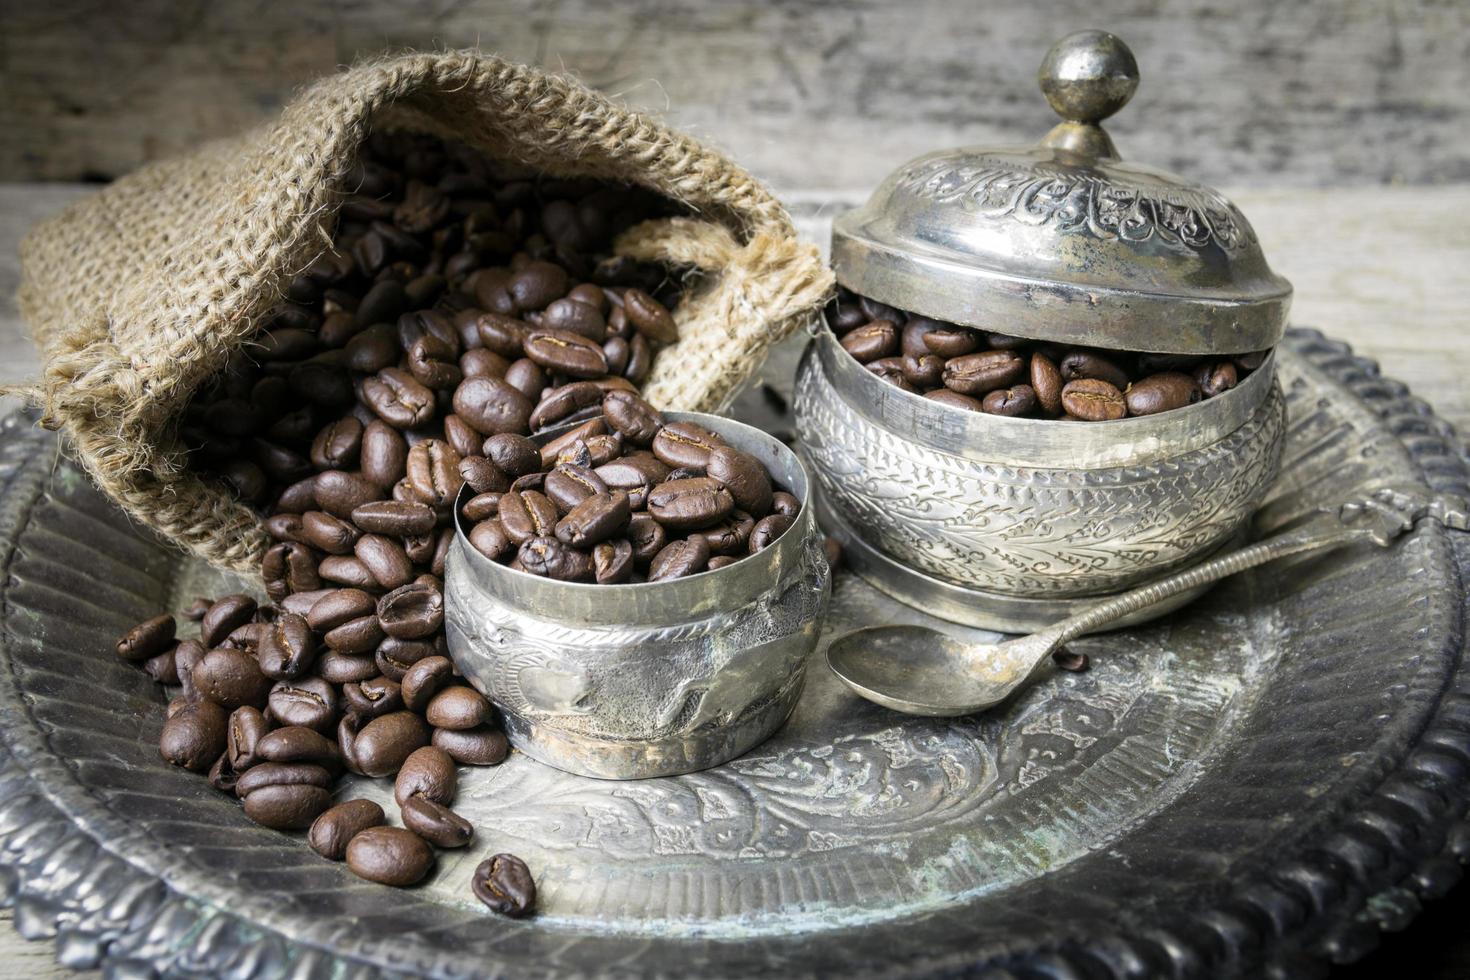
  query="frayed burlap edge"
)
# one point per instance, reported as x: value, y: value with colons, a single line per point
x: 140, y: 293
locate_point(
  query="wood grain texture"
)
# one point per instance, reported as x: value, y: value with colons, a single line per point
x: 1301, y: 93
x: 1379, y: 267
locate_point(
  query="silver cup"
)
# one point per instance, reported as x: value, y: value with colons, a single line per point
x: 1014, y: 523
x: 653, y: 679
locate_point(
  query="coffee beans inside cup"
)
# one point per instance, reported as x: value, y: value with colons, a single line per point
x: 625, y: 497
x: 460, y: 310
x: 981, y: 371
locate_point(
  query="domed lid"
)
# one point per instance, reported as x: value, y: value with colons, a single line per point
x: 1064, y: 241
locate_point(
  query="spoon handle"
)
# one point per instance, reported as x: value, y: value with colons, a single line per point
x: 1326, y: 532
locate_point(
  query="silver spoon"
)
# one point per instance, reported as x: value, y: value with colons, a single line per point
x: 921, y: 671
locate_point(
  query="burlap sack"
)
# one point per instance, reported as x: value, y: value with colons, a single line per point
x: 139, y: 293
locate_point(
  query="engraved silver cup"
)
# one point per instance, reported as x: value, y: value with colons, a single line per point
x: 1007, y: 522
x: 653, y: 679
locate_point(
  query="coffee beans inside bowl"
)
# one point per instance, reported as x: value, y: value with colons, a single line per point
x: 625, y: 497
x: 460, y: 311
x: 981, y: 371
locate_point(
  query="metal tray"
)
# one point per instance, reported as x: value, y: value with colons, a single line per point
x: 1253, y: 785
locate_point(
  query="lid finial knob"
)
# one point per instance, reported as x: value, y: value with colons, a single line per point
x: 1087, y: 76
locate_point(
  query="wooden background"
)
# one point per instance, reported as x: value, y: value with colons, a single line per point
x: 1234, y: 91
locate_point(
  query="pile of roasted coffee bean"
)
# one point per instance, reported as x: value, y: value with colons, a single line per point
x: 458, y: 306
x: 628, y: 497
x: 1002, y: 375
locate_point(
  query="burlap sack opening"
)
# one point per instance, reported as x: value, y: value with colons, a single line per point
x: 139, y: 293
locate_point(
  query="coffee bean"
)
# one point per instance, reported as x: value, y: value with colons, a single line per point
x: 398, y: 398
x: 457, y: 708
x: 372, y: 698
x: 688, y: 505
x: 383, y: 743
x: 1011, y: 402
x: 197, y: 609
x: 194, y: 736
x: 310, y: 702
x: 433, y: 475
x: 287, y: 648
x: 526, y: 515
x: 231, y: 678
x: 337, y: 445
x: 333, y: 829
x: 389, y: 856
x: 339, y: 493
x: 425, y: 679
x: 924, y: 371
x: 685, y: 444
x: 148, y: 639
x: 385, y: 560
x: 1216, y: 378
x: 481, y: 746
x: 1086, y: 364
x: 566, y: 353
x: 767, y: 530
x: 428, y: 773
x: 341, y: 668
x: 744, y: 476
x: 537, y: 285
x: 264, y: 774
x: 162, y: 668
x: 490, y: 539
x: 491, y: 406
x: 550, y: 558
x: 647, y: 536
x: 649, y: 317
x: 571, y: 484
x: 568, y: 403
x: 688, y: 556
x: 977, y: 374
x: 326, y: 533
x: 570, y: 316
x: 297, y: 743
x: 952, y: 341
x: 286, y: 807
x: 1046, y: 382
x: 1093, y: 400
x: 435, y: 822
x: 731, y: 536
x: 339, y: 606
x: 411, y: 611
x: 288, y: 567
x: 595, y: 519
x: 527, y: 377
x: 872, y: 341
x: 1161, y: 393
x: 505, y: 885
x: 384, y: 457
x: 954, y: 399
x: 227, y: 614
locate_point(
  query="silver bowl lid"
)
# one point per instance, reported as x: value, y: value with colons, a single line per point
x: 1064, y: 241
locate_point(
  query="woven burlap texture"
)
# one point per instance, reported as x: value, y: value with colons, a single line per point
x: 141, y: 292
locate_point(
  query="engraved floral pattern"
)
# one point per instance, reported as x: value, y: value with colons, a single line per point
x: 1027, y: 531
x: 1078, y: 202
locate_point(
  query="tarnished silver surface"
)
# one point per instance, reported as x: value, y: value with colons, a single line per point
x: 1063, y: 241
x: 920, y: 670
x: 1253, y: 785
x: 1031, y: 508
x: 652, y: 679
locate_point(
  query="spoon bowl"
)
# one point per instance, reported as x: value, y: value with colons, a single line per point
x: 917, y: 670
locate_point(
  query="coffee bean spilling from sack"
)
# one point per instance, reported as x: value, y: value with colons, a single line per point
x: 626, y: 497
x: 459, y: 310
x: 1001, y: 375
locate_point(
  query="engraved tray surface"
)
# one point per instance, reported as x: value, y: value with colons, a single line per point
x: 1256, y: 784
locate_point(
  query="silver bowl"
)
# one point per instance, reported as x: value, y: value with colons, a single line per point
x: 1029, y: 514
x: 652, y: 679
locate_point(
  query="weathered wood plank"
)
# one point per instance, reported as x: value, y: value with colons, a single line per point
x: 805, y: 93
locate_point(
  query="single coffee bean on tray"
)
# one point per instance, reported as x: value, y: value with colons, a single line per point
x: 505, y: 885
x: 998, y: 374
